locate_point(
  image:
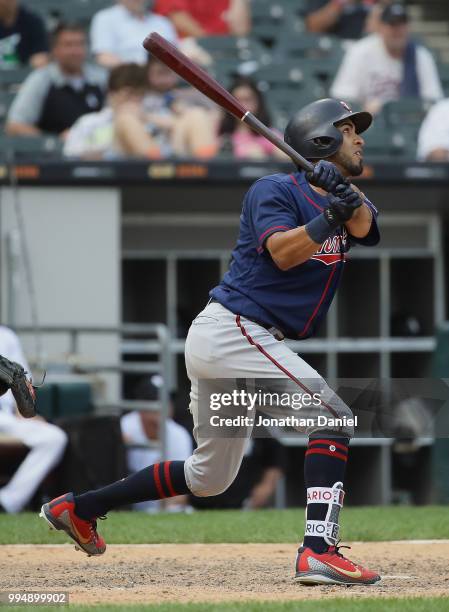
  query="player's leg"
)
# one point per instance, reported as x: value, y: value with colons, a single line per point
x: 318, y: 559
x: 46, y: 443
x: 77, y: 514
x: 209, y: 471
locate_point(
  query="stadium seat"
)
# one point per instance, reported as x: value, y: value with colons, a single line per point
x: 443, y: 70
x: 409, y: 111
x: 234, y: 48
x: 399, y: 143
x: 73, y: 399
x: 309, y: 45
x: 6, y: 99
x: 270, y: 19
x: 76, y: 10
x: 45, y: 401
x: 12, y: 78
x: 284, y: 102
x: 21, y: 146
x: 281, y: 75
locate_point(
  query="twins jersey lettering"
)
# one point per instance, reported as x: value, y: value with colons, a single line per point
x: 294, y: 301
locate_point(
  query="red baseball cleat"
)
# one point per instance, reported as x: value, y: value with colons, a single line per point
x: 60, y: 514
x: 331, y: 567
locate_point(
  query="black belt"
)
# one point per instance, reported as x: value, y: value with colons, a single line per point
x: 270, y: 328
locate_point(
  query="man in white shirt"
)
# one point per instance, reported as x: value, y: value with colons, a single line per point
x: 140, y: 431
x: 387, y: 65
x: 117, y: 32
x: 45, y: 441
x: 433, y: 139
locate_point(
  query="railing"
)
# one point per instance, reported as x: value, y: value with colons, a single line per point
x: 161, y: 346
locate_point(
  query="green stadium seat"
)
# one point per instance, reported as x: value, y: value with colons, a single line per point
x: 22, y: 146
x: 73, y: 399
x: 284, y: 102
x: 309, y: 45
x: 11, y: 79
x: 45, y: 401
x: 398, y: 143
x: 234, y: 48
x: 270, y: 19
x: 443, y: 70
x: 74, y: 10
x: 281, y: 75
x: 6, y: 99
x: 409, y: 111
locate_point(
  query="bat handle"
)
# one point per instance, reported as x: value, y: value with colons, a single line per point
x: 278, y: 142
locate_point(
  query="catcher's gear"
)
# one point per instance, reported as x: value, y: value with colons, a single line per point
x: 13, y: 376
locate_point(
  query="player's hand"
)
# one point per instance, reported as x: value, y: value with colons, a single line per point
x: 326, y: 176
x: 342, y: 205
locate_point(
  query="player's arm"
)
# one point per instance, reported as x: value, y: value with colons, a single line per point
x: 362, y: 226
x: 360, y: 223
x: 291, y: 248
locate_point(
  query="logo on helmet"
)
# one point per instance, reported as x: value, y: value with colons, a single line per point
x: 346, y: 106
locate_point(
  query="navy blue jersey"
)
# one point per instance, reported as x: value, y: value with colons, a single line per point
x: 295, y: 300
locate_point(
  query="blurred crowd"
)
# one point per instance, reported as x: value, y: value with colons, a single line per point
x: 99, y: 91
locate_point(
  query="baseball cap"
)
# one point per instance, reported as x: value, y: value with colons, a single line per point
x: 394, y: 13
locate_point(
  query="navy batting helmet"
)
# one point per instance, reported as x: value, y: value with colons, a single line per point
x: 312, y: 131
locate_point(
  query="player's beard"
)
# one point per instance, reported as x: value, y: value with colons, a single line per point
x: 351, y: 167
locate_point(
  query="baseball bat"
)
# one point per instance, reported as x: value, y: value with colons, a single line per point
x: 196, y: 76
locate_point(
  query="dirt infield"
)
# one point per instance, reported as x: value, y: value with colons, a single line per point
x: 214, y: 572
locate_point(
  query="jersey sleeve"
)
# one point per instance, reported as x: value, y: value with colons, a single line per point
x: 373, y: 236
x: 270, y: 208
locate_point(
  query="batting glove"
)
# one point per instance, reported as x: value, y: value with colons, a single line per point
x: 342, y: 205
x: 326, y: 176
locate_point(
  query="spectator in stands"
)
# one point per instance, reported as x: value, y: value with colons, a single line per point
x: 52, y: 98
x: 182, y: 120
x: 202, y: 18
x: 46, y: 442
x: 236, y: 137
x: 155, y: 127
x: 119, y: 129
x: 141, y: 429
x: 345, y: 18
x: 117, y: 32
x: 433, y: 139
x: 262, y: 467
x: 23, y: 38
x: 387, y: 65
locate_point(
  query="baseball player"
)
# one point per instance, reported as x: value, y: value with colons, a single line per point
x: 285, y: 269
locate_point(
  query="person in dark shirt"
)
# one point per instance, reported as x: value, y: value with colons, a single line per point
x: 23, y: 38
x: 344, y: 18
x: 52, y: 98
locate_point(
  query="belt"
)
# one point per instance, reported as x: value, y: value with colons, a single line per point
x: 274, y: 331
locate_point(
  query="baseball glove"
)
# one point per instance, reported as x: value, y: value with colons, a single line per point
x: 13, y: 376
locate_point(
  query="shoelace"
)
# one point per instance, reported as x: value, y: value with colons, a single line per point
x: 339, y: 554
x: 93, y: 526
